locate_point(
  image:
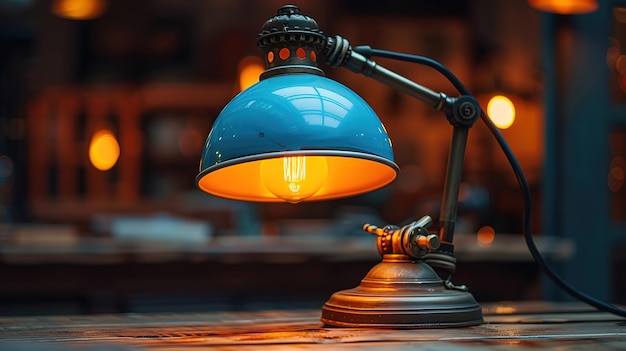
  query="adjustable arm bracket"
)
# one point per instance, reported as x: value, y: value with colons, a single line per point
x: 461, y: 112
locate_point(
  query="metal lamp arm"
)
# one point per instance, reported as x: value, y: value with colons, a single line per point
x: 463, y: 110
x: 461, y: 113
x: 437, y: 258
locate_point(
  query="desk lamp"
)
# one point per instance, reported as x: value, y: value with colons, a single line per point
x: 297, y: 136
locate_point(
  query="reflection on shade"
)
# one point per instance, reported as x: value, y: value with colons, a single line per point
x: 311, y: 101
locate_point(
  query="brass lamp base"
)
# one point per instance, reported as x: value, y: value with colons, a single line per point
x: 401, y: 293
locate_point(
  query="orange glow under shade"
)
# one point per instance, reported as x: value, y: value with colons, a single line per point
x: 346, y: 176
x: 294, y: 178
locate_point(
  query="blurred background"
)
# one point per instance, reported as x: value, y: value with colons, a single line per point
x: 105, y: 106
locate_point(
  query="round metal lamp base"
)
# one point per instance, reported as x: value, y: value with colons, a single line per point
x: 400, y: 293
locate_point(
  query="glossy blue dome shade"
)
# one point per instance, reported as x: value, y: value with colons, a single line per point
x: 296, y: 137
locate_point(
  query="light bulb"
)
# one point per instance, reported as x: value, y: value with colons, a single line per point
x: 294, y: 178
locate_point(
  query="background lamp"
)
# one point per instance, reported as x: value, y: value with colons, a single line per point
x: 298, y: 136
x: 565, y: 7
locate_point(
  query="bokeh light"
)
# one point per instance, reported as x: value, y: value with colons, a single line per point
x: 485, y: 236
x: 79, y: 9
x: 250, y: 68
x: 501, y: 111
x: 104, y: 150
x: 565, y: 7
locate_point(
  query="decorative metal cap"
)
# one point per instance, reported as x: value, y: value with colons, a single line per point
x: 290, y: 43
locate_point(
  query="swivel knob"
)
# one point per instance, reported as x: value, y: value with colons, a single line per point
x: 428, y: 242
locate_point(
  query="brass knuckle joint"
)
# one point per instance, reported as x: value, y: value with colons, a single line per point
x: 412, y: 240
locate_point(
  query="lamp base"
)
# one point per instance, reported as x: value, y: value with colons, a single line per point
x: 401, y: 293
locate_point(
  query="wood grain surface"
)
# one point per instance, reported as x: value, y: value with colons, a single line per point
x: 521, y: 325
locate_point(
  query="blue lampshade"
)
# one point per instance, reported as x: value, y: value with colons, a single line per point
x: 309, y: 136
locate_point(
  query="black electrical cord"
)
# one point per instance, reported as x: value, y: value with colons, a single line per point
x: 517, y: 169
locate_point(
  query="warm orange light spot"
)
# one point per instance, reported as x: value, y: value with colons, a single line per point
x: 250, y: 68
x: 79, y: 9
x: 485, y: 236
x: 301, y: 53
x: 104, y: 150
x: 501, y: 111
x: 505, y: 310
x: 565, y: 7
x: 294, y: 178
x: 270, y: 56
x: 284, y: 53
x: 313, y: 56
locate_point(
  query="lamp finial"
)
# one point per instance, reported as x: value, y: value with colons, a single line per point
x: 290, y: 43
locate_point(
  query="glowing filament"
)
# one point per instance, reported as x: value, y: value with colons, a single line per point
x: 294, y: 178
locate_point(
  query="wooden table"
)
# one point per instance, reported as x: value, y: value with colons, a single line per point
x: 520, y: 325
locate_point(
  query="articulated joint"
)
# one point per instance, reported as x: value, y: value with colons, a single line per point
x: 412, y: 240
x: 464, y: 111
x: 336, y: 51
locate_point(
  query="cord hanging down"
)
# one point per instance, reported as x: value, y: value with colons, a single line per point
x: 517, y: 170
